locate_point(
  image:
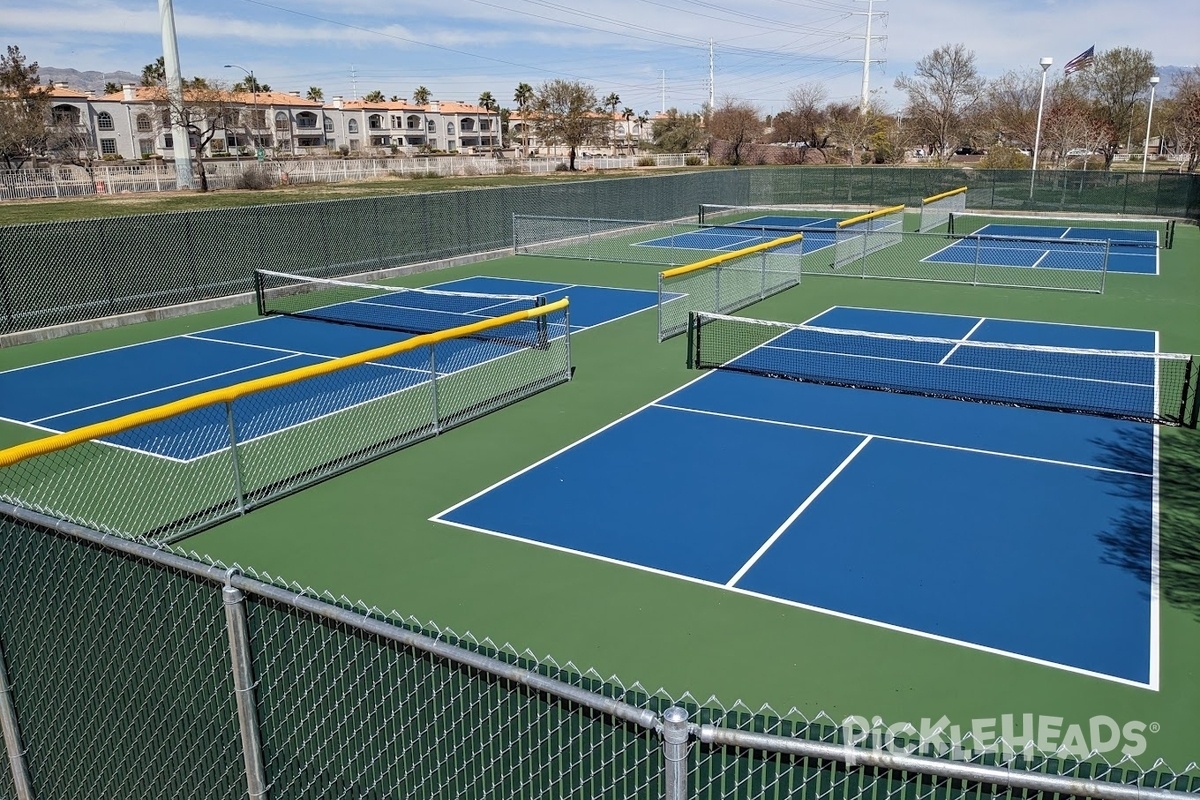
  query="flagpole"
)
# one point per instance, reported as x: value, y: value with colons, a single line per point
x: 1037, y: 137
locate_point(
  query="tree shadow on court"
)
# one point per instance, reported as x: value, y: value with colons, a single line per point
x: 1128, y: 543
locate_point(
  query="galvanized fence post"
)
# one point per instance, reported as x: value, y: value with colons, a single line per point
x: 243, y: 687
x: 675, y: 732
x: 12, y: 736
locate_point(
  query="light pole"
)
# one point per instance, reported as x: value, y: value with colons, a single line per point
x: 1149, y: 116
x: 254, y: 112
x: 1037, y: 137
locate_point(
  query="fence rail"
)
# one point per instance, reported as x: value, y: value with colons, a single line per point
x: 68, y: 180
x: 286, y: 693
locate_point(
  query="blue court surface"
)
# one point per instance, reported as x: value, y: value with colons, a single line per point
x: 818, y: 233
x: 1130, y: 251
x: 973, y: 524
x: 70, y: 393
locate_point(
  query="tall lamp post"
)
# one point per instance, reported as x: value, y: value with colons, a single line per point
x: 1149, y: 117
x: 1037, y: 137
x: 254, y: 112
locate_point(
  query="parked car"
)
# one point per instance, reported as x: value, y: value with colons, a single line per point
x: 1079, y: 151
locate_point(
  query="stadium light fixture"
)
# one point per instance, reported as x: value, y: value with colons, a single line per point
x: 1037, y: 137
x: 1149, y: 116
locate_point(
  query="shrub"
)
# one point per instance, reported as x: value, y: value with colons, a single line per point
x: 693, y: 161
x: 647, y: 161
x: 254, y: 178
x: 561, y: 167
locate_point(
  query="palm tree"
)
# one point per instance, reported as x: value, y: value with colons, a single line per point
x: 612, y: 101
x: 316, y: 94
x: 523, y: 97
x: 642, y: 119
x: 375, y: 96
x: 488, y: 103
x: 421, y: 97
x: 628, y: 114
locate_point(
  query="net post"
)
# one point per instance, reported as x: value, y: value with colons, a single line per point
x: 975, y: 266
x: 693, y: 339
x: 235, y: 461
x: 514, y: 232
x: 1183, y: 401
x: 12, y: 736
x: 659, y: 308
x: 1104, y: 265
x: 675, y: 733
x: 259, y: 293
x: 1169, y: 237
x: 243, y: 689
x: 717, y: 288
x: 433, y: 389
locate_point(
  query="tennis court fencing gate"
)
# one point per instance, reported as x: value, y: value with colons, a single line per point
x: 134, y: 671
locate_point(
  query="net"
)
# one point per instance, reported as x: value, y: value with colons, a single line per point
x: 776, y: 219
x: 727, y: 282
x: 396, y: 308
x: 858, y: 237
x: 1133, y: 385
x: 936, y: 210
x: 1118, y: 231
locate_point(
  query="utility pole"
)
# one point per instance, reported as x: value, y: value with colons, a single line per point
x: 866, y: 81
x: 180, y: 141
x: 712, y: 80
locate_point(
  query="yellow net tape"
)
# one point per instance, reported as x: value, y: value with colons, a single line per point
x: 721, y: 259
x: 864, y: 217
x: 944, y: 195
x: 60, y: 441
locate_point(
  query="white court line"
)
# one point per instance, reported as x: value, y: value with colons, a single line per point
x: 957, y: 366
x: 1154, y: 544
x: 901, y: 439
x: 163, y: 388
x: 1046, y: 254
x: 996, y: 319
x: 966, y: 336
x: 787, y: 523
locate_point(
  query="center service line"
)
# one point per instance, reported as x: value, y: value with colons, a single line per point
x: 788, y: 522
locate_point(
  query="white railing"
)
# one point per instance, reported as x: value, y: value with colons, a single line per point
x: 74, y: 181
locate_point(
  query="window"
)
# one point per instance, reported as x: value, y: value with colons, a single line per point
x: 355, y: 144
x: 307, y: 120
x: 467, y: 125
x: 258, y: 119
x: 108, y: 147
x: 165, y: 116
x: 66, y: 115
x: 375, y: 122
x: 380, y: 141
x: 329, y: 124
x: 281, y: 121
x: 104, y: 121
x: 310, y: 141
x: 352, y: 126
x: 397, y: 121
x: 143, y: 123
x: 169, y: 142
x: 432, y: 125
x: 485, y: 124
x: 146, y: 147
x: 217, y: 145
x: 450, y: 131
x: 413, y: 123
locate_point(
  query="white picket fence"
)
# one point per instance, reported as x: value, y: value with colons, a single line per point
x: 74, y: 181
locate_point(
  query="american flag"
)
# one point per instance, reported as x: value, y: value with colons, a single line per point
x: 1081, y: 61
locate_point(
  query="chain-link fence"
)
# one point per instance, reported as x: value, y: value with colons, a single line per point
x: 141, y: 672
x: 169, y: 471
x: 55, y: 274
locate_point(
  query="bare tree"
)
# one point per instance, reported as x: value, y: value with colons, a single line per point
x: 24, y: 105
x: 942, y: 94
x: 564, y: 113
x: 207, y: 108
x: 810, y: 117
x: 1115, y: 83
x: 737, y: 125
x: 1181, y: 117
x: 1011, y: 106
x: 853, y: 127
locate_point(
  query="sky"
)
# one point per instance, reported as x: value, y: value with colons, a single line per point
x: 653, y: 54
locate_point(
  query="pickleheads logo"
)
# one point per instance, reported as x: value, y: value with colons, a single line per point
x: 1008, y: 735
